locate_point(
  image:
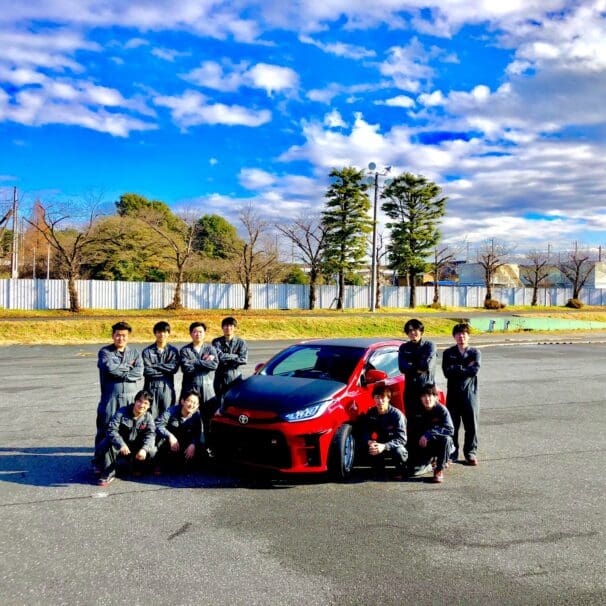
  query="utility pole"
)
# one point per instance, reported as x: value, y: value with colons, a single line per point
x: 15, y: 255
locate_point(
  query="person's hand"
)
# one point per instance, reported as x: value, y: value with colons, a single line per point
x: 375, y: 448
x: 423, y: 442
x: 141, y: 455
x: 190, y: 451
x: 124, y: 451
x: 174, y: 443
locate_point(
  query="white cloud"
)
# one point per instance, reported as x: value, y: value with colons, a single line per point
x: 272, y: 78
x: 193, y: 109
x: 407, y: 66
x: 167, y: 54
x: 340, y: 49
x: 254, y: 178
x: 231, y: 77
x: 398, y: 101
x: 334, y: 120
x: 433, y: 99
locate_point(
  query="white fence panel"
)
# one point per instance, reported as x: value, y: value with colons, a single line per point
x: 29, y: 294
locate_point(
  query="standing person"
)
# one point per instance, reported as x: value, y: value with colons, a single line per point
x: 130, y: 439
x: 417, y: 361
x: 461, y: 364
x: 120, y: 371
x: 198, y: 363
x: 179, y: 433
x: 435, y: 424
x: 385, y: 433
x: 232, y: 352
x: 160, y: 363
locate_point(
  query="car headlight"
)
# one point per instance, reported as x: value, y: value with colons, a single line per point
x: 311, y: 412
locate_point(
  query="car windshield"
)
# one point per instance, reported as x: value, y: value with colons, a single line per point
x: 328, y: 362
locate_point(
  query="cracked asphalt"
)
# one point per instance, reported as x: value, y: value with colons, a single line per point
x: 525, y: 527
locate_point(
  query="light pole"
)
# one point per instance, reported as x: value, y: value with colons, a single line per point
x: 374, y: 178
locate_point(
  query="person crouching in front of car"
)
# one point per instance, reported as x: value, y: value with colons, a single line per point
x: 180, y: 437
x: 131, y: 439
x: 385, y: 434
x: 437, y: 429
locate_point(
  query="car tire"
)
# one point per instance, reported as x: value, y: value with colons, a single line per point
x: 341, y: 454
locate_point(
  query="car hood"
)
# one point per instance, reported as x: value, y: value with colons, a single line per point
x: 280, y: 394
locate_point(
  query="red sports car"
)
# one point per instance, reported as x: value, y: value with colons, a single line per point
x: 296, y: 414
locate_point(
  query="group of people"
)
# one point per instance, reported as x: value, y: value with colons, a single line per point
x: 136, y: 426
x: 428, y: 437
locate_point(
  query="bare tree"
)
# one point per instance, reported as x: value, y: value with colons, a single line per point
x: 576, y: 266
x: 72, y: 244
x: 492, y: 256
x: 308, y: 233
x: 179, y: 236
x: 535, y: 272
x: 253, y: 258
x: 443, y: 257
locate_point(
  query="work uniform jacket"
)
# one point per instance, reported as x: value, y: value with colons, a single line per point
x: 159, y: 372
x: 199, y: 374
x: 232, y: 355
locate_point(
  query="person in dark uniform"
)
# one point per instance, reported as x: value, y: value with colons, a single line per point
x: 130, y: 440
x: 180, y: 437
x: 385, y: 433
x: 233, y: 354
x: 120, y: 374
x: 417, y: 359
x: 435, y: 425
x: 461, y: 364
x: 160, y: 363
x: 199, y: 361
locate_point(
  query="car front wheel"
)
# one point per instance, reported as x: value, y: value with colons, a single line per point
x: 341, y: 455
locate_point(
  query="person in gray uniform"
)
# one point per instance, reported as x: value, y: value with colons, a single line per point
x: 120, y: 373
x: 385, y: 433
x: 180, y: 439
x: 461, y: 364
x: 130, y: 439
x: 435, y: 424
x: 199, y: 361
x: 233, y: 354
x: 160, y: 363
x: 417, y: 360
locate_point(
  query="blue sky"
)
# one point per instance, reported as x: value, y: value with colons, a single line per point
x: 211, y: 105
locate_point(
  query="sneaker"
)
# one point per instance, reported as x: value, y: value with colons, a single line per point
x: 421, y: 470
x: 438, y: 476
x: 472, y: 460
x: 103, y: 482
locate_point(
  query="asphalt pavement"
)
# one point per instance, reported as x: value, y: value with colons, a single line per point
x: 525, y: 527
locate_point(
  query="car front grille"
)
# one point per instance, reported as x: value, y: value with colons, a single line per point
x: 257, y: 446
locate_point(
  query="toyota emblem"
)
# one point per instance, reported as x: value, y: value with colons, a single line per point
x: 243, y: 419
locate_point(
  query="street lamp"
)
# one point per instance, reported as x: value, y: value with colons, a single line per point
x: 374, y: 178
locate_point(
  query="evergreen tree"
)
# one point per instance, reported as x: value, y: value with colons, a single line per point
x: 347, y: 224
x: 415, y: 207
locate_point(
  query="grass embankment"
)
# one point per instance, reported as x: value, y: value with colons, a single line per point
x: 94, y: 326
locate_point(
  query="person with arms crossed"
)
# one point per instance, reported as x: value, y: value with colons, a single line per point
x: 461, y: 364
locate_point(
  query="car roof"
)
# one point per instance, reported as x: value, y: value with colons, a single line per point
x: 363, y: 342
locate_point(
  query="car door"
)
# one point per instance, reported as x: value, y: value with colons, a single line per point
x: 386, y: 359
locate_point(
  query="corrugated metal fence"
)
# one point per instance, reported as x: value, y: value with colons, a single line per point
x: 97, y: 294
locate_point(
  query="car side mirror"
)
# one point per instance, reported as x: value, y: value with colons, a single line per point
x: 259, y: 366
x: 374, y: 376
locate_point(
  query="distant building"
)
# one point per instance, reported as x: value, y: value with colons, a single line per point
x: 472, y: 274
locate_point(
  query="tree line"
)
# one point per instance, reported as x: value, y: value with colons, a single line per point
x: 144, y: 240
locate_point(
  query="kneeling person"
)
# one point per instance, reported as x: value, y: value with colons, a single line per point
x: 437, y: 431
x: 180, y: 433
x: 385, y: 433
x: 130, y: 439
